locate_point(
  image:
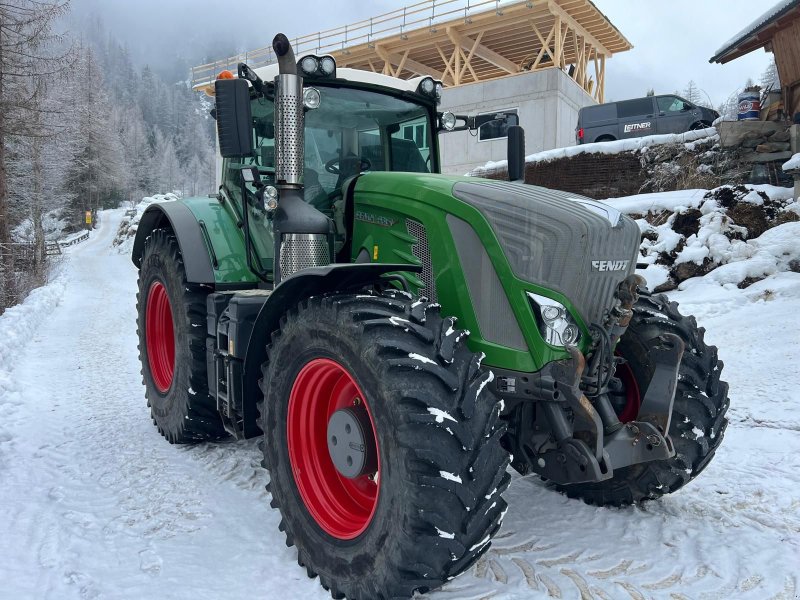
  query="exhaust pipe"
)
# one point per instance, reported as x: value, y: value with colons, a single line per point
x: 302, y: 233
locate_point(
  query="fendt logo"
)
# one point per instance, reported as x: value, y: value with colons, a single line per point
x: 636, y: 126
x: 610, y: 265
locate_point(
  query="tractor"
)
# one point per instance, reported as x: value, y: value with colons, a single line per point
x: 399, y: 338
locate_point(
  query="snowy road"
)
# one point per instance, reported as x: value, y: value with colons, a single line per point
x: 95, y: 504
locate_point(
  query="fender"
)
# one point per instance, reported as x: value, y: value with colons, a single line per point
x: 183, y: 223
x: 312, y: 281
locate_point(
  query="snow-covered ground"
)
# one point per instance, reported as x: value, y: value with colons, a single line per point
x: 96, y: 504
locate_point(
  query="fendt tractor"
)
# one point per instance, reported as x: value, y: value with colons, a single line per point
x: 399, y: 337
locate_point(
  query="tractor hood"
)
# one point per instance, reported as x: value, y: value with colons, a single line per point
x: 561, y: 241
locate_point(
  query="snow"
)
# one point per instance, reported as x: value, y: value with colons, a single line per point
x: 97, y: 505
x: 450, y: 476
x: 613, y: 147
x: 756, y: 24
x: 130, y: 223
x: 441, y: 415
x: 793, y: 163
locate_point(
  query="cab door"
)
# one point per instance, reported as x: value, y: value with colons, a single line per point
x: 636, y: 117
x: 675, y: 115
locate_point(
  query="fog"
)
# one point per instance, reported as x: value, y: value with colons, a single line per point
x: 672, y: 42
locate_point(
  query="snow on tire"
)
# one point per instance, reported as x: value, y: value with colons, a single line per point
x: 698, y: 416
x: 440, y: 469
x: 171, y: 327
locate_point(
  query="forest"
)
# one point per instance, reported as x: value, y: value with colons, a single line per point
x: 82, y: 129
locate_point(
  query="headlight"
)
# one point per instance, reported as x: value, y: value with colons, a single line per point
x: 311, y: 98
x: 427, y: 86
x: 309, y: 65
x: 555, y: 323
x: 270, y: 198
x: 448, y: 121
x: 327, y: 65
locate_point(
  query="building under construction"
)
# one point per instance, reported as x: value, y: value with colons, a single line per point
x: 542, y: 59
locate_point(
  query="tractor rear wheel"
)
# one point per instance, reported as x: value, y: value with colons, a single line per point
x: 383, y: 444
x: 698, y: 415
x: 171, y: 327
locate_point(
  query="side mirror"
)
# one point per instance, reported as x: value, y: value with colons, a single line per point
x: 516, y: 153
x: 687, y: 106
x: 234, y: 118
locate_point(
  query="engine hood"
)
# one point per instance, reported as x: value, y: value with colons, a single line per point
x: 560, y: 241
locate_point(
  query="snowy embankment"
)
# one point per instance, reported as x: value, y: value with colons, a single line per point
x: 688, y: 139
x: 123, y: 240
x: 97, y: 505
x: 731, y: 234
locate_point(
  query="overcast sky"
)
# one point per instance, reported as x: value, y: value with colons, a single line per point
x: 672, y: 40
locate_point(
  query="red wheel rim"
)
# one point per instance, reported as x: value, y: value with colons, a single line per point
x: 160, y: 336
x: 633, y: 399
x: 342, y: 507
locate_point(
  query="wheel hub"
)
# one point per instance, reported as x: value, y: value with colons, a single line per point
x: 160, y: 337
x: 350, y: 442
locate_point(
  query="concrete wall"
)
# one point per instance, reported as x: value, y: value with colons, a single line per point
x: 547, y: 102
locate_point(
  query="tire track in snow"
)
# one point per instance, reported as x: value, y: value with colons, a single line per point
x: 100, y: 505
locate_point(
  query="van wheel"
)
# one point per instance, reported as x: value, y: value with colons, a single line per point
x: 605, y: 138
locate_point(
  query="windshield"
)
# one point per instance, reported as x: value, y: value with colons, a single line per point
x: 353, y: 131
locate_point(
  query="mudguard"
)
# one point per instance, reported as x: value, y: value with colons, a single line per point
x: 193, y: 247
x: 308, y: 282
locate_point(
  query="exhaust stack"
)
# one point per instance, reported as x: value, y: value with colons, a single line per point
x: 302, y: 233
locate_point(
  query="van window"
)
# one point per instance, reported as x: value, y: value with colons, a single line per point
x: 670, y: 104
x: 635, y: 108
x: 601, y: 112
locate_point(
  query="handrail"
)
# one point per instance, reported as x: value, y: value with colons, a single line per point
x: 427, y: 13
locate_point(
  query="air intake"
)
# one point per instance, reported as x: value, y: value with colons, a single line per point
x: 423, y: 253
x: 301, y: 251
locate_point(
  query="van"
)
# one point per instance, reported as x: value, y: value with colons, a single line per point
x: 639, y: 117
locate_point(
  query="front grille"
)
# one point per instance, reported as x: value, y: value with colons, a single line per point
x: 301, y: 251
x: 423, y: 253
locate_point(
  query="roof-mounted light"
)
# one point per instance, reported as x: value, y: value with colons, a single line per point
x: 317, y: 66
x: 431, y: 88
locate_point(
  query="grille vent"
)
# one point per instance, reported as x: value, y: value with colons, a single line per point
x: 303, y: 250
x: 423, y: 253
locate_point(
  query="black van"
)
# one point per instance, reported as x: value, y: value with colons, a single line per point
x: 641, y: 116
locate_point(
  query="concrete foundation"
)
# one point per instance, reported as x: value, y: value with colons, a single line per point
x: 547, y: 103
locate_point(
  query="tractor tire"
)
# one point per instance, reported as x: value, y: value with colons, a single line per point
x: 430, y: 503
x: 171, y: 324
x: 698, y: 415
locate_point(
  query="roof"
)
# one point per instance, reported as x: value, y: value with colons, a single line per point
x: 758, y: 33
x: 269, y: 72
x: 460, y: 41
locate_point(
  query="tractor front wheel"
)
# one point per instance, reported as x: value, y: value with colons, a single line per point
x: 171, y: 327
x: 383, y: 444
x: 698, y: 414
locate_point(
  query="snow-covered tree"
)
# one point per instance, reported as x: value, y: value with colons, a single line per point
x: 30, y: 56
x: 769, y: 78
x: 96, y: 174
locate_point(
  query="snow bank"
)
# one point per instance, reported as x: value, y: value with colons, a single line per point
x: 18, y: 324
x: 688, y: 138
x: 793, y: 163
x: 731, y: 235
x: 123, y: 241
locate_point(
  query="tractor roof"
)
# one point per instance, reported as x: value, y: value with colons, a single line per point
x: 269, y: 72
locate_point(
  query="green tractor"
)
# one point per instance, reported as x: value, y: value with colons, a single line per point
x: 399, y: 337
